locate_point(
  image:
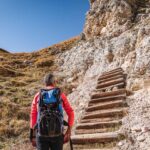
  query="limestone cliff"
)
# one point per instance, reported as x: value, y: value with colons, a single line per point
x: 116, y: 34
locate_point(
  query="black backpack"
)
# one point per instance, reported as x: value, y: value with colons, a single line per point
x: 50, y: 113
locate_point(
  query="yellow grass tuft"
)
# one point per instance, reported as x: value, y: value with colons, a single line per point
x: 45, y: 62
x: 9, y: 72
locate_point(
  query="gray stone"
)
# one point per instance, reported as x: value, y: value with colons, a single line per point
x: 141, y: 138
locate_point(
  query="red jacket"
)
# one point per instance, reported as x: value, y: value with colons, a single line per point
x: 65, y: 104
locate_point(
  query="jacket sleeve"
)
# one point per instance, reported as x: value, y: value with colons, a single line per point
x: 68, y: 109
x: 33, y: 114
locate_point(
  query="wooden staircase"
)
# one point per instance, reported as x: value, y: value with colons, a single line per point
x: 98, y: 128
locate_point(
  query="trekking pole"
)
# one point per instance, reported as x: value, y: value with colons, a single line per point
x: 71, y: 146
x: 66, y: 124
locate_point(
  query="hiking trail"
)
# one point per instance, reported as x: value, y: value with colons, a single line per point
x: 99, y: 125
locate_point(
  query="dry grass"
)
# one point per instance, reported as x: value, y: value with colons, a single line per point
x: 20, y: 78
x: 5, y: 71
x: 20, y: 145
x: 62, y: 46
x: 17, y: 83
x: 2, y: 92
x: 45, y: 62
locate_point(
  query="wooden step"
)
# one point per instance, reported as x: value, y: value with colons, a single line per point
x: 100, y: 130
x: 96, y: 149
x: 111, y: 72
x: 99, y: 149
x: 104, y: 113
x: 110, y: 88
x: 106, y: 94
x: 98, y: 119
x: 110, y: 79
x: 97, y: 125
x: 114, y: 70
x: 106, y: 99
x: 110, y: 83
x: 106, y: 110
x: 91, y: 131
x: 105, y: 105
x: 110, y: 75
x: 94, y: 138
x: 106, y: 76
x: 95, y: 146
x: 112, y: 148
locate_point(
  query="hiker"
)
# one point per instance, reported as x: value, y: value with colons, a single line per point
x: 46, y: 118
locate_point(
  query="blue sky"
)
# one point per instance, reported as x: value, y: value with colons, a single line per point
x: 28, y: 25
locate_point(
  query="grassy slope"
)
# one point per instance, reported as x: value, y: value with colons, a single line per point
x: 3, y: 51
x: 20, y: 79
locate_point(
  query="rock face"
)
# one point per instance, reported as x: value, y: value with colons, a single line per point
x: 117, y: 34
x: 108, y: 18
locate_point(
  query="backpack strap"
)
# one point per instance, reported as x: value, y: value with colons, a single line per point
x: 40, y: 98
x: 58, y: 96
